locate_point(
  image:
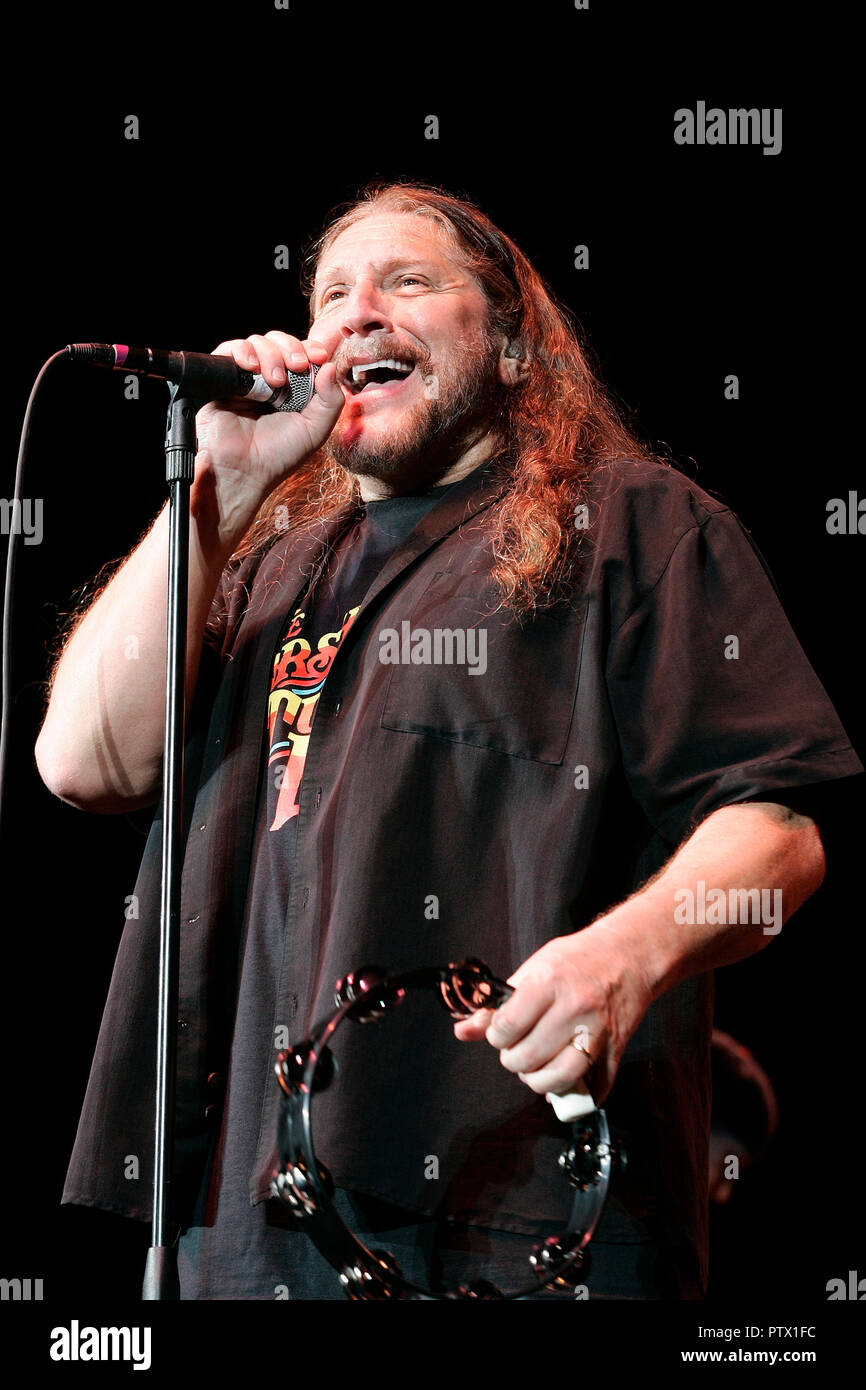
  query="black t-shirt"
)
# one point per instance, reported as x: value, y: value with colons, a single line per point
x: 302, y: 661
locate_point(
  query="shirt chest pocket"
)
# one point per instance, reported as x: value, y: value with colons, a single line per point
x: 463, y: 673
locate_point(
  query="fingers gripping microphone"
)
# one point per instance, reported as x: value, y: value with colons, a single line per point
x: 201, y: 374
x: 298, y: 391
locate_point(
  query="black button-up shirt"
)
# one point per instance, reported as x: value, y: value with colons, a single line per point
x: 446, y: 812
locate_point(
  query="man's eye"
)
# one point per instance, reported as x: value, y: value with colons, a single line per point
x: 330, y: 295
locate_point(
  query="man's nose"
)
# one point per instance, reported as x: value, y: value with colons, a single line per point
x: 364, y: 310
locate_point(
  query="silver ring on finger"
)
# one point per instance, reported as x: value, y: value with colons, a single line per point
x: 577, y: 1043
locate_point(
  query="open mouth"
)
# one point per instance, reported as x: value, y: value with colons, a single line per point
x: 370, y: 376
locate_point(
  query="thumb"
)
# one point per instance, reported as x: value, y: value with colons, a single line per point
x: 321, y: 411
x: 474, y: 1028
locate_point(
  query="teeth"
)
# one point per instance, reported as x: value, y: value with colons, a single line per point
x: 360, y: 368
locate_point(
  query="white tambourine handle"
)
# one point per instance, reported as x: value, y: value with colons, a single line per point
x: 570, y: 1107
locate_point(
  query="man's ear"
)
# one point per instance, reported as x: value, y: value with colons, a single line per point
x: 513, y: 367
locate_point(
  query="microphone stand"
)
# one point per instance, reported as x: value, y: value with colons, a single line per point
x: 196, y: 378
x: 160, y: 1276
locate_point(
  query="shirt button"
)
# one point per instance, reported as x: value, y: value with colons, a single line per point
x: 214, y: 1081
x: 338, y: 705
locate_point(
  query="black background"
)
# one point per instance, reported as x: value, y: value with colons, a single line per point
x: 254, y: 124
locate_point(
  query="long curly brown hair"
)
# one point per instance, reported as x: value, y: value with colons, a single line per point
x: 553, y: 428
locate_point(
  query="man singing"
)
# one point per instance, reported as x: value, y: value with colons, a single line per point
x: 469, y: 673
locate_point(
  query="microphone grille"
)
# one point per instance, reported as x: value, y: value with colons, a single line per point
x: 297, y: 392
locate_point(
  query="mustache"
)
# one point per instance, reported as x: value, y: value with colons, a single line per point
x: 464, y: 352
x: 383, y: 347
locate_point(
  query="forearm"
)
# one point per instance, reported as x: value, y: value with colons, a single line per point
x: 101, y: 745
x: 691, y: 918
x: 597, y: 983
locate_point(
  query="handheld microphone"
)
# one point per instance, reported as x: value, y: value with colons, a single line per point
x: 200, y: 374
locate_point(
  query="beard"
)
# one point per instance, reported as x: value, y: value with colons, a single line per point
x: 435, y: 432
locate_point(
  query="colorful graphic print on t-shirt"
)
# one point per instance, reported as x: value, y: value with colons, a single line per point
x: 299, y: 675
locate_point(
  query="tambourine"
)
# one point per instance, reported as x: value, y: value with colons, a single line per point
x: 306, y: 1186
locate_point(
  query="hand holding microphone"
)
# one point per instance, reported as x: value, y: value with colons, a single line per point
x: 243, y: 453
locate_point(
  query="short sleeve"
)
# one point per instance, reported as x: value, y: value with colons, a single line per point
x: 713, y: 697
